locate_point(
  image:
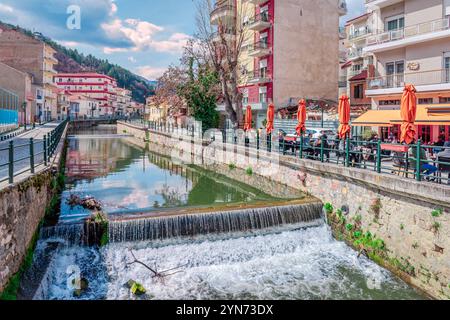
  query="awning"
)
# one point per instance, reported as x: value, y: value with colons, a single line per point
x: 433, y: 115
x: 376, y: 118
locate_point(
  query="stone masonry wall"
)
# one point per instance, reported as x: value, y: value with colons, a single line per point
x: 412, y: 218
x: 22, y: 208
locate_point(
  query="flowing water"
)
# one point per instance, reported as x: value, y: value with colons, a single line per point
x: 257, y: 252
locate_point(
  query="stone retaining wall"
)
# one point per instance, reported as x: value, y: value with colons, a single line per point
x: 22, y: 208
x: 398, y: 211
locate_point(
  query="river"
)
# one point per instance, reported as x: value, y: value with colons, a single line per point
x: 289, y: 261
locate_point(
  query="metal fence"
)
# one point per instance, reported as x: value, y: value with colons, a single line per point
x: 24, y: 156
x: 433, y: 162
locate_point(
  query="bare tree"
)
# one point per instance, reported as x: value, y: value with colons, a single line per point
x: 168, y: 89
x: 221, y: 46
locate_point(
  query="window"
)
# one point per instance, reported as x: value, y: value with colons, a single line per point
x: 264, y: 40
x: 358, y: 91
x: 263, y: 94
x: 263, y: 68
x: 390, y: 102
x: 447, y: 7
x: 395, y: 74
x: 425, y: 100
x: 444, y: 99
x: 245, y: 97
x: 447, y: 66
x: 395, y: 23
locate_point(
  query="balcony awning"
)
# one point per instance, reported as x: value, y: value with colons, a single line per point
x: 432, y: 115
x: 376, y: 118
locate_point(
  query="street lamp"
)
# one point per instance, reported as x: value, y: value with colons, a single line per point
x: 24, y: 109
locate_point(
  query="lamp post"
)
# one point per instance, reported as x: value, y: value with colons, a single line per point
x: 24, y: 109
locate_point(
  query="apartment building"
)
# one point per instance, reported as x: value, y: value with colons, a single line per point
x: 21, y: 83
x: 359, y: 64
x: 31, y: 55
x: 291, y: 50
x: 409, y: 42
x: 94, y: 85
x: 83, y: 107
x: 123, y: 101
x: 9, y: 110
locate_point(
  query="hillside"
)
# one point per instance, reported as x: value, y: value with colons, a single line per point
x: 70, y: 60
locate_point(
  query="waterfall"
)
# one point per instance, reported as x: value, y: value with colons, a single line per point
x: 72, y: 234
x: 154, y: 228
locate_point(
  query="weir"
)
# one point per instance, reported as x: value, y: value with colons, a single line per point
x: 173, y: 226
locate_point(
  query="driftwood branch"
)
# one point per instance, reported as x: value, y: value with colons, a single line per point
x: 159, y: 275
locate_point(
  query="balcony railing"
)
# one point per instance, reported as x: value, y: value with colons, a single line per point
x: 360, y: 33
x: 353, y: 54
x: 417, y: 78
x: 259, y: 77
x: 222, y: 10
x: 411, y: 31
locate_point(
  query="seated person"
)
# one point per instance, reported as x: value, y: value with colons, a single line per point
x: 425, y: 167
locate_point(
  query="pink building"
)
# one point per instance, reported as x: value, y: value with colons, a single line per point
x: 94, y: 85
x: 290, y: 49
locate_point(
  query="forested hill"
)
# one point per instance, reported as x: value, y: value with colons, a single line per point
x: 70, y: 60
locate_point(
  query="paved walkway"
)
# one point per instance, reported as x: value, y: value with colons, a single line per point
x: 22, y: 149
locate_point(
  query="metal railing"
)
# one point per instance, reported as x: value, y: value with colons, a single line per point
x: 22, y: 157
x: 409, y: 31
x: 418, y: 78
x: 375, y: 155
x: 261, y: 17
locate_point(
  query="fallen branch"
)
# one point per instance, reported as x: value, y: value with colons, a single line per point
x: 159, y: 275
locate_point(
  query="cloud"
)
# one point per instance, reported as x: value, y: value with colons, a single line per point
x: 132, y: 59
x: 6, y: 9
x: 143, y: 36
x: 149, y: 72
x: 100, y: 25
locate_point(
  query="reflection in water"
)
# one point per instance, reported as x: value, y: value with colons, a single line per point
x: 126, y: 178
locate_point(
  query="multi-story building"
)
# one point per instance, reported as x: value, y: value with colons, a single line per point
x: 83, y: 107
x: 156, y: 111
x: 359, y: 63
x: 123, y: 101
x: 31, y: 55
x: 9, y: 110
x: 409, y: 41
x: 94, y: 85
x: 21, y: 83
x: 290, y: 49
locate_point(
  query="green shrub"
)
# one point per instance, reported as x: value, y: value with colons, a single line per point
x: 349, y: 227
x: 437, y: 212
x: 231, y: 166
x: 328, y: 207
x: 249, y: 171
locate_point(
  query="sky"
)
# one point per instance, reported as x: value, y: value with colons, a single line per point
x: 144, y: 36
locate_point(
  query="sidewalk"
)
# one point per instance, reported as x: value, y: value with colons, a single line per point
x: 22, y: 148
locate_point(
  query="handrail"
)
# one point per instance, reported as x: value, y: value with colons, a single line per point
x: 409, y: 31
x: 375, y: 155
x: 48, y: 145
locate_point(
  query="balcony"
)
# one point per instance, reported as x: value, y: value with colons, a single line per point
x: 229, y: 35
x: 342, y: 33
x: 259, y: 78
x: 256, y: 2
x: 224, y: 13
x: 355, y: 54
x: 432, y: 30
x: 360, y: 33
x: 342, y: 8
x: 425, y: 81
x: 259, y: 22
x: 259, y: 49
x: 381, y: 3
